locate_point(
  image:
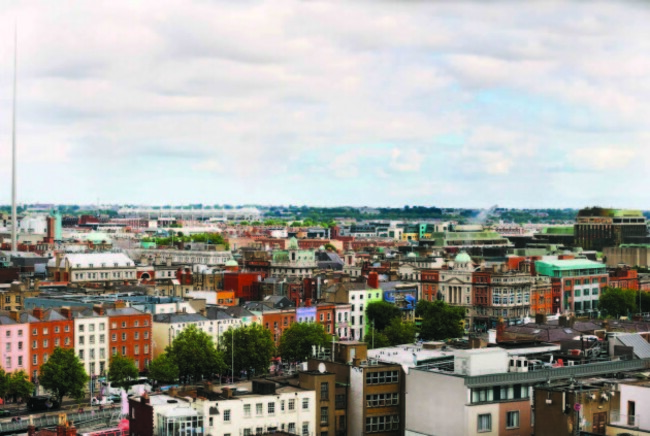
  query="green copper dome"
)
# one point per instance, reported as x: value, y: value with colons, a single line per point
x: 293, y: 244
x: 232, y: 262
x: 462, y: 258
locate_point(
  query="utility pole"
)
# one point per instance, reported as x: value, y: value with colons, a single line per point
x: 14, y: 215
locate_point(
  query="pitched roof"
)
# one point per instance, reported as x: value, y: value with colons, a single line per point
x: 84, y: 260
x: 640, y: 345
x: 123, y: 311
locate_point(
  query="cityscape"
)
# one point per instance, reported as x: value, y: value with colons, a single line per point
x: 324, y: 218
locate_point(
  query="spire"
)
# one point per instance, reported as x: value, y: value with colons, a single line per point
x: 14, y: 217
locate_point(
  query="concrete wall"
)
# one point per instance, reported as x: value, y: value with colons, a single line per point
x: 435, y: 404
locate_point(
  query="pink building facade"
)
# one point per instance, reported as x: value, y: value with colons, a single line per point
x: 14, y: 344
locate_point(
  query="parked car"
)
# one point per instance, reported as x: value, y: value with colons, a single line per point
x: 41, y: 403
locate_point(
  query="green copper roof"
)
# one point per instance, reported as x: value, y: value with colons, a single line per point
x: 293, y: 244
x: 612, y: 213
x: 558, y: 230
x: 232, y: 262
x: 462, y: 258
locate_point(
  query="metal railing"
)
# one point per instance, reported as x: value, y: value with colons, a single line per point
x: 619, y: 419
x: 560, y: 373
x: 78, y: 418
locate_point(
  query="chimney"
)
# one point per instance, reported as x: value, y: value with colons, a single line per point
x: 99, y: 309
x: 373, y: 280
x: 66, y: 312
x: 120, y: 304
x: 501, y: 330
x: 540, y: 318
x: 38, y: 313
x: 227, y: 392
x: 15, y: 315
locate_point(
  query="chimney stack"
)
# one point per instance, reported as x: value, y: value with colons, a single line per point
x: 66, y: 312
x: 373, y: 280
x: 99, y: 309
x: 501, y: 330
x: 15, y: 315
x: 38, y: 313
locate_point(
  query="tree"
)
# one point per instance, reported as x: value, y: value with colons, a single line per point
x: 400, y: 332
x: 376, y: 339
x: 618, y: 302
x: 19, y: 385
x: 4, y: 383
x: 120, y: 370
x: 382, y: 313
x: 297, y: 340
x: 195, y: 354
x: 253, y: 348
x: 64, y: 374
x: 330, y: 247
x: 440, y: 320
x: 163, y: 369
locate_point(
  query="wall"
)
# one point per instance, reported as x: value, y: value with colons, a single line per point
x: 435, y: 404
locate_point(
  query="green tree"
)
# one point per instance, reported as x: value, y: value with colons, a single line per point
x: 382, y: 313
x: 163, y: 369
x: 618, y: 302
x: 253, y: 348
x: 297, y: 340
x: 120, y: 370
x: 330, y: 247
x: 64, y: 374
x: 400, y: 332
x: 19, y: 385
x: 4, y: 383
x: 376, y: 339
x: 195, y: 354
x: 440, y: 320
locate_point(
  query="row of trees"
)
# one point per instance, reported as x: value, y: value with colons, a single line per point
x: 616, y: 302
x: 438, y: 321
x: 193, y: 355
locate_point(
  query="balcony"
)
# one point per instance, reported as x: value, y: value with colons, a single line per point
x: 618, y: 419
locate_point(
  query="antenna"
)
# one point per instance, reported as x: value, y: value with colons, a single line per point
x: 14, y: 217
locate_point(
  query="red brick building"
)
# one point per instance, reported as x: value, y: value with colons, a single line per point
x: 624, y: 277
x: 48, y: 329
x: 278, y: 321
x: 130, y: 335
x: 242, y: 284
x: 326, y: 316
x: 430, y: 280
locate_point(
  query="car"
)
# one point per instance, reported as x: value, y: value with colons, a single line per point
x: 4, y: 413
x: 41, y: 403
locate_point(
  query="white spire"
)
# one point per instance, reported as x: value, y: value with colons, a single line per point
x: 14, y: 217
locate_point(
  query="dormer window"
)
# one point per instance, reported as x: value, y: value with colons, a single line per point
x: 90, y: 265
x: 115, y: 264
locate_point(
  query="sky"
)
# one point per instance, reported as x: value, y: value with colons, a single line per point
x: 378, y: 103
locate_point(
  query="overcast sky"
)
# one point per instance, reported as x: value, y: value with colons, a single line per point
x: 521, y: 104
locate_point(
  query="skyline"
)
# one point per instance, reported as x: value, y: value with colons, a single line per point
x: 387, y: 104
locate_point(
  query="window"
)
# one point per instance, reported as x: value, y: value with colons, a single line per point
x: 324, y: 414
x: 271, y: 408
x: 67, y: 328
x: 247, y: 410
x: 20, y: 333
x: 123, y: 324
x: 67, y: 341
x: 292, y: 427
x: 81, y: 327
x: 146, y: 335
x: 114, y: 351
x: 258, y: 409
x: 226, y: 415
x: 247, y: 432
x: 282, y: 406
x: 382, y: 423
x: 102, y: 326
x: 45, y: 343
x: 91, y: 327
x: 305, y: 429
x: 35, y: 360
x: 123, y: 351
x: 324, y: 390
x: 20, y: 360
x: 102, y: 339
x: 485, y: 422
x: 292, y: 404
x: 380, y: 400
x: 82, y: 340
x: 113, y: 337
x: 81, y: 354
x: 124, y: 336
x: 382, y: 377
x: 305, y: 403
x: 512, y: 419
x: 34, y: 332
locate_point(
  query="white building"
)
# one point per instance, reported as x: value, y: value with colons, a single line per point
x: 342, y: 312
x: 91, y: 338
x: 186, y: 257
x: 92, y: 267
x: 167, y: 326
x: 250, y: 408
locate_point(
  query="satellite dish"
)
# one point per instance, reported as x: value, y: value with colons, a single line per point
x: 321, y: 368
